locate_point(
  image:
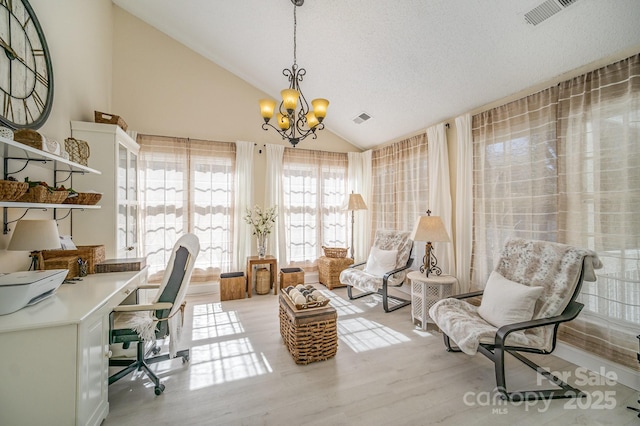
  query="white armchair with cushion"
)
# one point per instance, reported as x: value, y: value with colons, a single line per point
x: 386, y: 267
x: 530, y: 292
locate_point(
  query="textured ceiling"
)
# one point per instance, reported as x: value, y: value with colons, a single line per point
x: 407, y: 63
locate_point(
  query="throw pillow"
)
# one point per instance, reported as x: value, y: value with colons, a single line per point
x: 507, y: 302
x: 381, y: 261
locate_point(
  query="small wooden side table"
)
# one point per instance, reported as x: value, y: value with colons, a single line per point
x: 425, y: 292
x: 273, y: 267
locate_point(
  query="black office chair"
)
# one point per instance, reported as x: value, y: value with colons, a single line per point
x: 142, y: 323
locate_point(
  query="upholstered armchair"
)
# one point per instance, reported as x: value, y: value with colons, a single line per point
x: 389, y: 259
x: 531, y: 291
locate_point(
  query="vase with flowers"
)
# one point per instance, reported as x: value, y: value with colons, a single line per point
x: 261, y: 221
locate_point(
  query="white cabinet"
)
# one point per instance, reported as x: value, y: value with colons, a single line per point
x: 55, y: 355
x: 116, y: 225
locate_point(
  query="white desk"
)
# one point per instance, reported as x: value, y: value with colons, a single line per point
x: 54, y: 356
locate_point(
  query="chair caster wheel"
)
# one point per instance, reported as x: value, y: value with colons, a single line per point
x: 159, y: 389
x: 156, y: 350
x: 185, y: 359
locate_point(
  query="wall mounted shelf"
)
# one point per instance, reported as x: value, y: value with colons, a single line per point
x: 16, y: 151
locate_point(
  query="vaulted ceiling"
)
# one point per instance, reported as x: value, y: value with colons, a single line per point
x: 408, y: 64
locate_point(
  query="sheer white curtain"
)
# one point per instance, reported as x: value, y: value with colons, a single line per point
x: 599, y: 175
x: 314, y: 188
x: 400, y: 183
x: 243, y: 201
x: 440, y: 193
x: 274, y: 196
x: 360, y: 183
x: 464, y: 201
x: 187, y: 185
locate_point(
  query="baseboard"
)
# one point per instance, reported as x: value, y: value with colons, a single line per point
x: 625, y: 375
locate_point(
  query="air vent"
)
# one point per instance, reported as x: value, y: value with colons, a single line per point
x: 546, y: 10
x: 361, y: 118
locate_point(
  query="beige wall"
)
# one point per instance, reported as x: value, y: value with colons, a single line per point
x: 79, y: 35
x: 163, y: 88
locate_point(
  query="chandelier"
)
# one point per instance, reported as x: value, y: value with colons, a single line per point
x: 295, y: 122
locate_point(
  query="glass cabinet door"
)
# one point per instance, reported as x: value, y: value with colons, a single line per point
x: 127, y: 234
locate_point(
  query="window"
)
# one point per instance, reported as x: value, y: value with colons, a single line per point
x: 315, y: 190
x: 187, y: 186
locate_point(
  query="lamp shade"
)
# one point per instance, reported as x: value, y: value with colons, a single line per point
x: 356, y: 202
x: 290, y: 99
x: 320, y: 107
x: 312, y: 120
x: 283, y: 121
x: 35, y: 235
x: 430, y: 229
x: 267, y: 106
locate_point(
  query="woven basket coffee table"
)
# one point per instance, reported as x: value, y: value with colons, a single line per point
x: 309, y: 334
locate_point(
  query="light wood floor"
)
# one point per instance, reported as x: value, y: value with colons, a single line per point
x: 386, y: 371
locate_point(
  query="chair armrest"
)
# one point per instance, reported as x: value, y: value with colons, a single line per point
x: 148, y: 287
x: 570, y: 312
x: 144, y: 307
x: 355, y: 265
x: 468, y: 295
x: 386, y: 276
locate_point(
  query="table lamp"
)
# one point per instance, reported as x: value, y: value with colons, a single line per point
x: 430, y: 229
x: 35, y: 236
x: 355, y: 203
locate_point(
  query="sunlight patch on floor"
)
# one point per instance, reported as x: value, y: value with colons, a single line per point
x: 362, y: 335
x: 226, y: 356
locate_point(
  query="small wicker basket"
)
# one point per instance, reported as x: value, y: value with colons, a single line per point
x: 335, y: 252
x: 78, y: 150
x: 103, y: 117
x: 84, y: 198
x: 40, y: 194
x: 12, y: 190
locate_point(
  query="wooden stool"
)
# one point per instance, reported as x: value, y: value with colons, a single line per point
x: 291, y: 276
x: 232, y: 286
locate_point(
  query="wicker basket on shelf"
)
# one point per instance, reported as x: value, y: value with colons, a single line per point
x: 335, y: 252
x: 40, y: 194
x: 12, y: 190
x: 78, y: 150
x: 84, y: 198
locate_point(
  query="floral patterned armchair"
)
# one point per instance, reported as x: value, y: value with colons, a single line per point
x: 530, y: 292
x: 387, y: 266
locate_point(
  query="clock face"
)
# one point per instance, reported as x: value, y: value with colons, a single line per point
x: 26, y: 74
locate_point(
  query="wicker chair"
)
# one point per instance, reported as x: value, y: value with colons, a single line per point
x: 396, y: 246
x: 530, y: 292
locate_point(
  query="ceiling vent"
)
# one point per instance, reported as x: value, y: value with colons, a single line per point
x: 362, y: 118
x: 546, y: 10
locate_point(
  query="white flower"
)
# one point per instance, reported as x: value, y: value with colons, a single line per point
x: 261, y: 220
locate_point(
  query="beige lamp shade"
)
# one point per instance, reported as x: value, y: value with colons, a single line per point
x: 267, y: 106
x: 290, y: 99
x: 283, y: 121
x: 312, y: 120
x: 320, y: 108
x: 430, y: 229
x: 356, y: 202
x: 33, y: 235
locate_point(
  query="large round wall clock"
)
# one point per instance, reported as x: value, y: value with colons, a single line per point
x: 26, y: 74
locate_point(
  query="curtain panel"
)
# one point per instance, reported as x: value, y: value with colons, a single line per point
x: 599, y: 177
x: 314, y: 190
x: 360, y: 183
x: 400, y: 184
x: 515, y: 189
x: 187, y: 185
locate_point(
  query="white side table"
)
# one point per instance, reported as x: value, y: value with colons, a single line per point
x: 425, y: 292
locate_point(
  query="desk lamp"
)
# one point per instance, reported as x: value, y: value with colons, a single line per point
x: 35, y: 236
x: 430, y: 229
